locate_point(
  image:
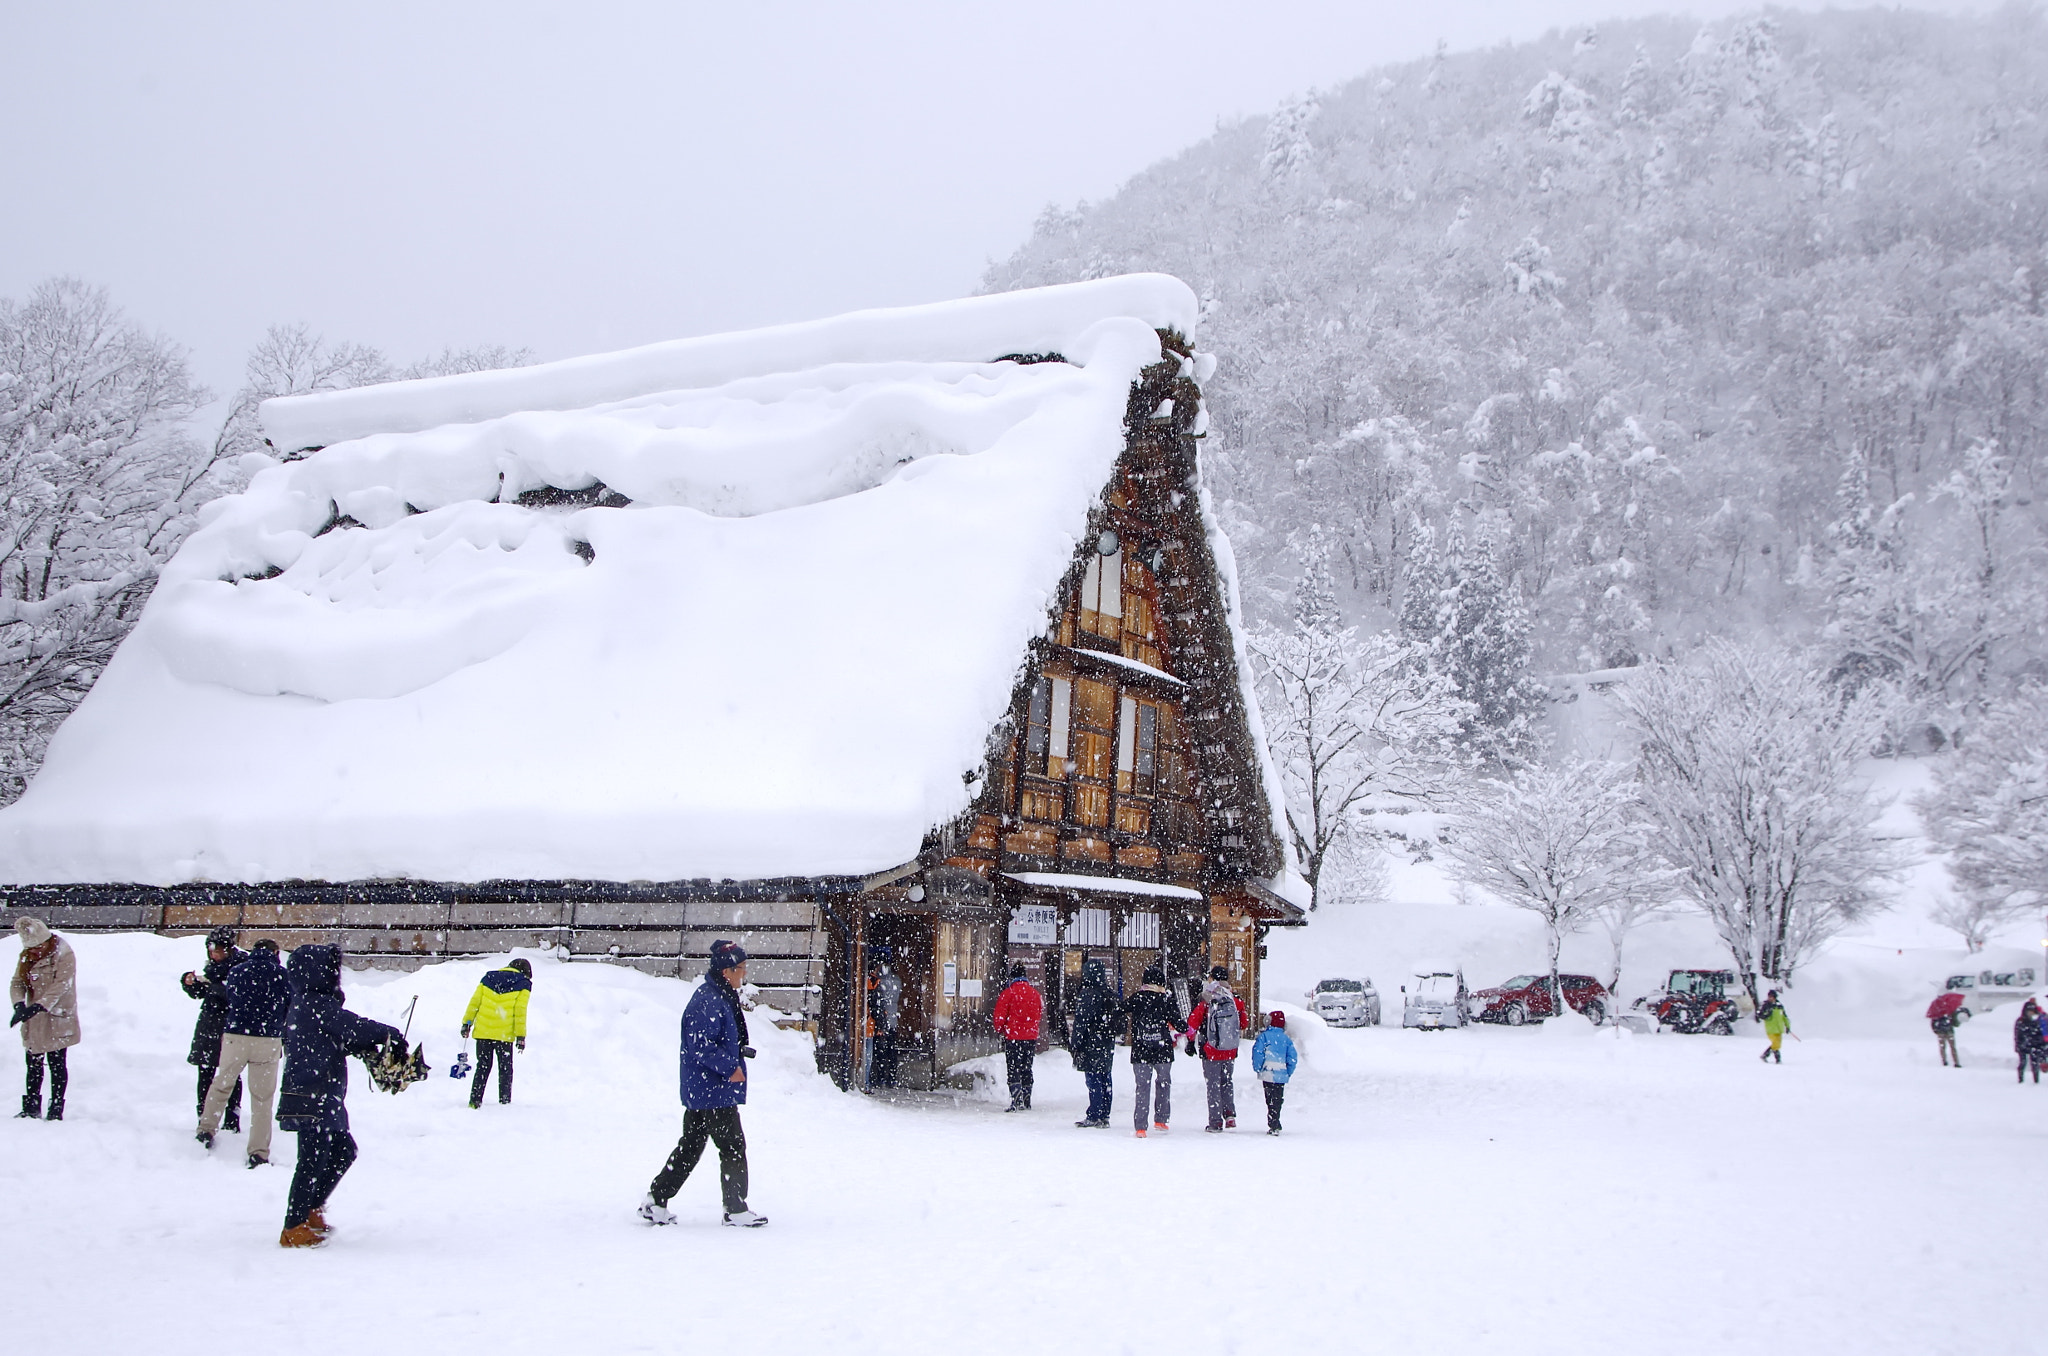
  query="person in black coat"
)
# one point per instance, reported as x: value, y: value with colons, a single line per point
x: 209, y: 987
x: 319, y: 1036
x: 1096, y: 1015
x: 2030, y: 1039
x: 1155, y: 1028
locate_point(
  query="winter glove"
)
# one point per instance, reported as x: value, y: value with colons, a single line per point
x: 20, y: 1014
x: 465, y: 1031
x: 1191, y: 1049
x: 521, y: 1042
x: 748, y: 1052
x: 192, y: 984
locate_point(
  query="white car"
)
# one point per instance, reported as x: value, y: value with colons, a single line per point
x: 1346, y: 1002
x: 1986, y: 989
x: 1435, y: 999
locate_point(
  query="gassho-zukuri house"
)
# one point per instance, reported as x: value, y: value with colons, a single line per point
x: 906, y: 635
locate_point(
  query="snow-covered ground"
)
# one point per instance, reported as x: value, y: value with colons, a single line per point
x: 1551, y: 1189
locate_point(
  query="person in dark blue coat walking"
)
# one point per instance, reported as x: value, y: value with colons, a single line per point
x: 1093, y: 1042
x: 714, y: 1087
x: 258, y: 997
x: 319, y: 1036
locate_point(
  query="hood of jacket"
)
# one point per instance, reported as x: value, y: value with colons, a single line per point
x: 1216, y: 991
x: 315, y: 970
x: 1095, y: 974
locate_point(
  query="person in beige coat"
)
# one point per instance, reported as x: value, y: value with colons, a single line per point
x: 44, y: 992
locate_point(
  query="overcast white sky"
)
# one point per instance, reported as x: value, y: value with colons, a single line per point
x: 577, y: 178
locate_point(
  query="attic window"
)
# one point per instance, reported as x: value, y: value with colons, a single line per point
x: 1102, y: 592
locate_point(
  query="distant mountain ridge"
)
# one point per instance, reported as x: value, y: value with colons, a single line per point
x: 1707, y: 329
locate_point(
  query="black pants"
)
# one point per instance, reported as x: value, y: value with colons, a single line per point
x: 2030, y: 1060
x: 324, y: 1156
x: 1017, y: 1064
x: 486, y: 1051
x: 60, y: 1078
x: 1276, y: 1093
x: 233, y: 1119
x: 720, y: 1125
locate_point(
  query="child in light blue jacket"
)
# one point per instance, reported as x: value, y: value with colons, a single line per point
x: 1273, y: 1059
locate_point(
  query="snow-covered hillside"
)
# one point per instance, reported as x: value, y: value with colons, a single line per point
x: 1541, y: 1190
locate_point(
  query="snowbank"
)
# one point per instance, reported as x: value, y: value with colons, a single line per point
x: 779, y: 658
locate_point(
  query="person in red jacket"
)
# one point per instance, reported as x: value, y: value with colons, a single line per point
x: 1018, y: 1015
x: 1219, y: 1021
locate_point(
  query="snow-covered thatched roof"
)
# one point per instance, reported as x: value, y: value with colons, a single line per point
x: 768, y: 638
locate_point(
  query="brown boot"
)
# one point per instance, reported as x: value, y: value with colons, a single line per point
x: 301, y: 1236
x: 317, y: 1222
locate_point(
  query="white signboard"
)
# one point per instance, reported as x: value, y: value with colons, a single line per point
x: 1035, y: 924
x: 970, y: 988
x: 952, y: 976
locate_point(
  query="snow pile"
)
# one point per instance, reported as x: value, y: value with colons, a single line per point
x: 767, y: 635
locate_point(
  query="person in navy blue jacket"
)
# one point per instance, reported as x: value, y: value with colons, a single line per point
x: 714, y: 1087
x: 319, y: 1036
x: 258, y: 997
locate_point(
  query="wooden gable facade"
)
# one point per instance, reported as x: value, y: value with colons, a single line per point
x: 1121, y: 813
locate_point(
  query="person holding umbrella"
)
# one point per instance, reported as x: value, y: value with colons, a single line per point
x: 1944, y: 1014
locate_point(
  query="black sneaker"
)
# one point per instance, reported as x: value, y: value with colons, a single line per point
x: 205, y: 1138
x: 258, y: 1161
x: 233, y: 1125
x: 745, y: 1219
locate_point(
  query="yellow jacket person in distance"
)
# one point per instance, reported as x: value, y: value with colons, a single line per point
x: 497, y: 1010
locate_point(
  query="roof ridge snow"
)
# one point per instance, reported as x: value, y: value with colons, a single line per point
x: 972, y: 329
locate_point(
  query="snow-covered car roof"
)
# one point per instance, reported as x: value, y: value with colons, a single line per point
x: 766, y: 636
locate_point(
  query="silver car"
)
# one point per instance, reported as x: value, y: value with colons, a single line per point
x: 1346, y: 1002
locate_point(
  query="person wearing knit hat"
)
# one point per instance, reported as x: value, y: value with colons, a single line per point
x: 714, y: 1087
x: 44, y: 992
x: 209, y: 988
x: 1273, y: 1059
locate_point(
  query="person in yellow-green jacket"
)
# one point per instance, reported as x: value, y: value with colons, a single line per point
x: 497, y: 1017
x: 1776, y: 1025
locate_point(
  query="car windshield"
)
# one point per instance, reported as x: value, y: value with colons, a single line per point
x: 1340, y: 986
x: 1436, y: 986
x: 1519, y: 981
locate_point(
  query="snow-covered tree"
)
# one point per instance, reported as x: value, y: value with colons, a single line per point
x: 1473, y: 628
x: 1988, y: 809
x: 1748, y: 764
x: 1557, y: 841
x: 97, y: 475
x: 1352, y: 722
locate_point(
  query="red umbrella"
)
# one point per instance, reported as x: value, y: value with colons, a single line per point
x: 1944, y: 1005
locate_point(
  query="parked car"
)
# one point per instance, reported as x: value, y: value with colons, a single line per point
x: 1435, y: 998
x: 1346, y: 1002
x: 1986, y: 989
x: 1526, y: 998
x: 1693, y: 1001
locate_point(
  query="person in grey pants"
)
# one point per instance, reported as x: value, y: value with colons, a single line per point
x: 1218, y: 1022
x: 1155, y: 1026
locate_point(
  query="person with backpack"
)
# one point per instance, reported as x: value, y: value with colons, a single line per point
x: 1093, y: 1042
x: 1018, y: 1017
x: 319, y: 1036
x: 259, y: 996
x: 1218, y: 1022
x: 1155, y: 1030
x: 2030, y: 1040
x: 714, y: 1088
x: 208, y: 987
x: 879, y: 1062
x: 1776, y: 1023
x: 1273, y: 1060
x: 497, y: 1015
x: 44, y: 991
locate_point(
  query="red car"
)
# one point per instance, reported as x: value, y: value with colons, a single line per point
x: 1527, y: 998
